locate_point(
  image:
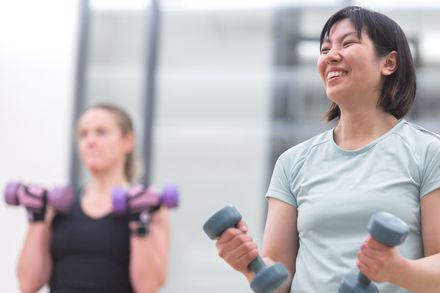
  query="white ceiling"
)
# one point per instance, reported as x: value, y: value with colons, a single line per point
x: 260, y: 4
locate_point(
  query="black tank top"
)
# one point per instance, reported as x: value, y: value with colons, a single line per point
x: 90, y: 255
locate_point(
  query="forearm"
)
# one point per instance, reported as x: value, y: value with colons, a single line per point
x: 419, y: 276
x: 35, y: 262
x: 148, y: 265
x: 149, y: 258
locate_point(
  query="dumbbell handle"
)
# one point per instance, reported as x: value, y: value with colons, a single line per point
x: 257, y: 264
x: 267, y: 278
x: 230, y: 217
x: 363, y: 280
x: 388, y: 230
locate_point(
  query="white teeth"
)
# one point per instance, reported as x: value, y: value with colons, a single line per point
x: 335, y: 74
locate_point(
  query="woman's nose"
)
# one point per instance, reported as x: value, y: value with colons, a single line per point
x: 333, y: 56
x: 89, y: 140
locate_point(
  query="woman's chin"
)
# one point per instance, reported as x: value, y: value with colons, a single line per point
x: 335, y: 96
x: 95, y: 168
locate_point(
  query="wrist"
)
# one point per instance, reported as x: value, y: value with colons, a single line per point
x: 35, y: 217
x: 402, y: 272
x: 139, y: 224
x: 249, y: 275
x: 139, y: 229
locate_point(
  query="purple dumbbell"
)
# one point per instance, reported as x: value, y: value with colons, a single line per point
x: 11, y: 197
x: 141, y: 198
x: 60, y: 198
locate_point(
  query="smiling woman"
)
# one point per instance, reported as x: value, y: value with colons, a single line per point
x: 376, y: 53
x: 324, y: 191
x: 350, y: 68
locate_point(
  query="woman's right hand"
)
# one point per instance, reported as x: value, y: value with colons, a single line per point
x: 34, y: 198
x: 237, y: 248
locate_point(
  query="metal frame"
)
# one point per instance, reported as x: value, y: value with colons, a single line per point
x: 151, y: 52
x: 150, y: 88
x: 80, y: 77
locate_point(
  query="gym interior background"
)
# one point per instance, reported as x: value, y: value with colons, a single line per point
x: 231, y: 86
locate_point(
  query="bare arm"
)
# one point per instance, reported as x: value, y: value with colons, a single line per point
x: 423, y: 275
x: 280, y: 243
x: 149, y: 255
x: 380, y: 263
x: 35, y: 262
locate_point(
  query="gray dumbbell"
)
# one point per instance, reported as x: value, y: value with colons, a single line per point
x: 386, y: 229
x: 267, y: 278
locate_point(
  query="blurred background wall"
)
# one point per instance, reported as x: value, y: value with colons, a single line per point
x: 38, y: 45
x: 235, y: 85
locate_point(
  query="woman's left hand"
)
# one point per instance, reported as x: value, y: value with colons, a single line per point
x: 377, y: 261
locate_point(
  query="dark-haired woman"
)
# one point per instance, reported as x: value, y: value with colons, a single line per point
x: 89, y: 249
x: 324, y: 190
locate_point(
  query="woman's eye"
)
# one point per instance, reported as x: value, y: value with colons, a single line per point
x: 324, y: 50
x: 348, y: 43
x: 82, y: 134
x: 101, y: 132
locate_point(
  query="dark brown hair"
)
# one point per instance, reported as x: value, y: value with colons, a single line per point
x: 399, y: 89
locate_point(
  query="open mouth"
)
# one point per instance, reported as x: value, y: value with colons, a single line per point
x: 335, y: 74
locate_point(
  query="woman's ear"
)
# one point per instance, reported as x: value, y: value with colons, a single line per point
x: 390, y: 63
x: 129, y: 142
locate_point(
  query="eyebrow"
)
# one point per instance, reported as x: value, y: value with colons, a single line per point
x: 327, y: 39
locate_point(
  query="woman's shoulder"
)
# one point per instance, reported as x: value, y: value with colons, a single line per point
x: 305, y: 148
x: 417, y: 135
x: 310, y: 144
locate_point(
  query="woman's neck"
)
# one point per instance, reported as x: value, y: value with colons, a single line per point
x: 101, y: 184
x: 355, y: 130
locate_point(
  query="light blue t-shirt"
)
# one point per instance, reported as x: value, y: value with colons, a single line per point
x: 336, y: 191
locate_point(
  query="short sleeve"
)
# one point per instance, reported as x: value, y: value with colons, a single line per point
x: 431, y: 169
x: 280, y: 183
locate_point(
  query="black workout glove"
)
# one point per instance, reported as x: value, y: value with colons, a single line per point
x: 34, y: 199
x: 140, y: 214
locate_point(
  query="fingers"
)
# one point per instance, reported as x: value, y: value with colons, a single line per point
x: 31, y: 197
x: 242, y: 262
x: 367, y: 262
x: 374, y: 244
x: 242, y: 226
x: 238, y: 251
x: 237, y: 248
x: 376, y: 260
x: 230, y: 233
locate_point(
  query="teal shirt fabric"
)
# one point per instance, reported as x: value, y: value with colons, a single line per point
x: 336, y: 191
